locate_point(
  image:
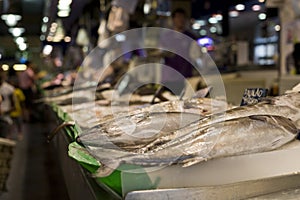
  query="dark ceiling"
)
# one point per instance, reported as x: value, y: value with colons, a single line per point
x: 207, y: 7
x: 34, y: 10
x: 31, y: 12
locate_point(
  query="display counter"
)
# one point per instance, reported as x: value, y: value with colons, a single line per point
x: 239, y: 177
x: 79, y: 182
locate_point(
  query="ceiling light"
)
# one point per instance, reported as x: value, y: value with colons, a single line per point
x: 196, y: 26
x: 20, y: 40
x: 213, y: 29
x: 5, y: 67
x: 203, y: 32
x: 16, y: 32
x: 212, y: 20
x: 63, y: 7
x: 261, y: 1
x: 67, y: 39
x: 256, y: 7
x: 19, y: 67
x: 63, y: 13
x: 64, y: 2
x: 44, y: 28
x: 45, y: 19
x: 262, y: 16
x: 23, y: 46
x: 277, y: 28
x: 201, y: 22
x: 42, y: 37
x: 234, y: 13
x: 47, y: 50
x: 147, y: 8
x: 11, y: 19
x: 219, y: 17
x: 240, y: 7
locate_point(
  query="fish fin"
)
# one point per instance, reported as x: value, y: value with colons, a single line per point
x: 192, y: 161
x: 202, y: 93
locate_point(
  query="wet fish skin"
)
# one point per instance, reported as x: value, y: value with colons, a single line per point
x: 115, y: 128
x: 281, y: 106
x: 245, y: 135
x: 105, y: 114
x: 198, y: 141
x: 287, y: 105
x: 134, y: 132
x: 201, y: 106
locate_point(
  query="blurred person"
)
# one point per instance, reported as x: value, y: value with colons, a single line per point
x: 17, y: 113
x: 174, y: 78
x: 7, y: 105
x: 27, y: 85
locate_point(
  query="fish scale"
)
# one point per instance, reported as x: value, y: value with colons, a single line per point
x: 229, y: 138
x: 249, y: 129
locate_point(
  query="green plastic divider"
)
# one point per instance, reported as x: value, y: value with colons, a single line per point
x: 87, y: 161
x: 91, y: 164
x: 81, y: 155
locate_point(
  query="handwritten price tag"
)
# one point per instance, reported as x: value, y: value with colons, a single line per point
x: 253, y: 95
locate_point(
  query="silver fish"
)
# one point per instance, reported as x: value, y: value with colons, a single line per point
x: 245, y: 135
x: 285, y: 106
x: 92, y: 114
x: 135, y: 131
x: 201, y: 106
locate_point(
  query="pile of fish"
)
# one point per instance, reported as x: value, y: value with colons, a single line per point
x: 91, y: 114
x: 178, y: 136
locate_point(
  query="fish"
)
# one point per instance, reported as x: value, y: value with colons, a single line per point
x: 240, y: 136
x: 287, y: 105
x: 253, y: 134
x: 149, y: 121
x: 204, y: 92
x: 284, y: 106
x: 101, y: 115
x: 201, y: 106
x: 135, y: 131
x: 262, y: 127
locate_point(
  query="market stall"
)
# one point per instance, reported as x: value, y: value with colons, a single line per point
x: 271, y: 168
x: 122, y: 135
